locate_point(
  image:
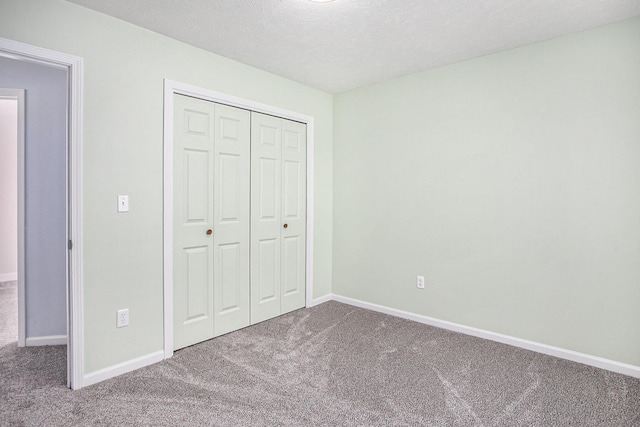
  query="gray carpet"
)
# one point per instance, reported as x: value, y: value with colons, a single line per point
x: 329, y: 365
x: 8, y: 312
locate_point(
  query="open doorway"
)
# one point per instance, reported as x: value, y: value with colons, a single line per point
x: 34, y: 364
x: 33, y: 223
x: 52, y: 187
x: 11, y: 215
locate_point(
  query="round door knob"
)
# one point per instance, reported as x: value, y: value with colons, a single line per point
x: 286, y: 225
x: 209, y: 232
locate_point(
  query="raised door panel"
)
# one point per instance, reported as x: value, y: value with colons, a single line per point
x: 196, y: 274
x: 267, y: 272
x: 290, y: 265
x: 232, y: 218
x: 294, y: 189
x: 229, y: 166
x: 196, y: 187
x: 193, y: 216
x: 266, y: 184
x: 230, y: 290
x: 291, y: 206
x: 267, y: 170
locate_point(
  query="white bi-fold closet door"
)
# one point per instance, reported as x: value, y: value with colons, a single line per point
x: 239, y: 218
x: 211, y: 219
x: 278, y: 202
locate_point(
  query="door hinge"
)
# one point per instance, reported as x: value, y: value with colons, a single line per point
x: 70, y: 245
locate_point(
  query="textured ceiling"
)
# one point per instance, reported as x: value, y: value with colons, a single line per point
x: 346, y: 44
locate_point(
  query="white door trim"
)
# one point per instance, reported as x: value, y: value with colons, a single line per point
x: 18, y: 95
x: 172, y: 87
x: 74, y: 67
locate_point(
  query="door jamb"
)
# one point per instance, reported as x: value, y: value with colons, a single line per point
x: 172, y: 87
x: 18, y: 95
x: 74, y: 66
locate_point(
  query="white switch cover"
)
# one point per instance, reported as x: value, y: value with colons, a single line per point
x: 122, y: 318
x: 420, y: 282
x: 123, y: 203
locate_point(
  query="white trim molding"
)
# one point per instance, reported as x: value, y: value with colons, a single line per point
x: 123, y: 368
x: 22, y: 254
x: 562, y: 353
x: 74, y: 66
x: 46, y: 340
x: 172, y: 87
x: 8, y: 277
x: 320, y: 300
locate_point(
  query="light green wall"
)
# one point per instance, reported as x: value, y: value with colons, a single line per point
x: 124, y: 71
x: 511, y: 182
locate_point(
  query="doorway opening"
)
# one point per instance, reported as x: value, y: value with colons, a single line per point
x: 11, y: 216
x: 63, y: 323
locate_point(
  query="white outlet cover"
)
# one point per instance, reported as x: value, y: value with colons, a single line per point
x: 420, y: 282
x: 122, y: 318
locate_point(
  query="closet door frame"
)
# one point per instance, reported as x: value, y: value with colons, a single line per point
x: 172, y: 88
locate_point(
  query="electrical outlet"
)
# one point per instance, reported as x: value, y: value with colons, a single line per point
x: 122, y: 318
x: 420, y: 282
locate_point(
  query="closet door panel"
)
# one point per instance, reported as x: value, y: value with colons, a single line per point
x: 266, y: 184
x: 231, y: 218
x: 294, y: 190
x: 193, y: 216
x: 241, y: 175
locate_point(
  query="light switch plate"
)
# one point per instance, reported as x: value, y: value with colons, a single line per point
x: 123, y: 203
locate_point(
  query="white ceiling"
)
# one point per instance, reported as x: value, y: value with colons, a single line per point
x: 346, y: 44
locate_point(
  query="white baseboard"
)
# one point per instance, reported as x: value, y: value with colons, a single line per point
x: 598, y: 362
x: 122, y: 368
x: 46, y: 340
x: 320, y: 300
x: 8, y: 277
